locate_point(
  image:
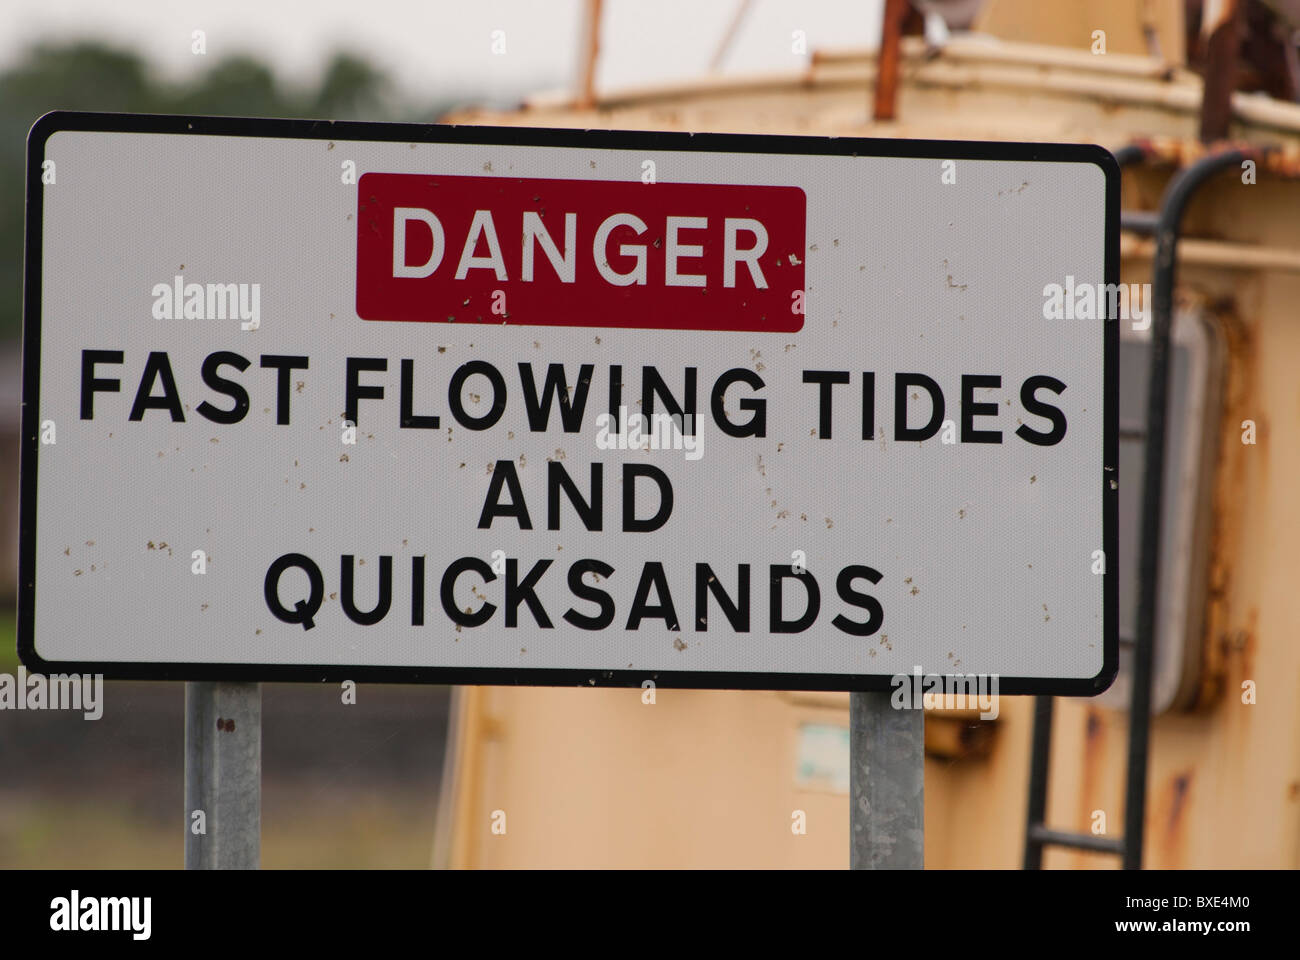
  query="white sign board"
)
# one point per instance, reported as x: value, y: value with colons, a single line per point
x: 379, y: 402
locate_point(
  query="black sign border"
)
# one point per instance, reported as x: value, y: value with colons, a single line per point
x: 57, y: 121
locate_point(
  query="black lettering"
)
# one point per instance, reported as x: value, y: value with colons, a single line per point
x: 448, y: 592
x: 90, y: 383
x: 615, y: 395
x: 902, y: 383
x: 737, y: 613
x: 756, y: 425
x: 417, y: 591
x: 1045, y: 410
x: 777, y: 624
x: 518, y: 591
x: 868, y: 406
x: 653, y: 385
x: 157, y: 368
x: 630, y: 473
x: 826, y: 380
x: 652, y: 575
x: 346, y: 597
x: 408, y: 419
x: 556, y: 386
x: 503, y: 474
x: 457, y: 385
x: 220, y: 384
x: 285, y: 365
x: 354, y: 391
x: 557, y: 479
x: 970, y: 409
x: 303, y: 611
x: 856, y: 598
x: 591, y: 593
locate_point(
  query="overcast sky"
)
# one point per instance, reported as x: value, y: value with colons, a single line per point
x: 432, y: 46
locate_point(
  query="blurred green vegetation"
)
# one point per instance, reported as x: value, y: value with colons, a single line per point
x: 304, y: 827
x: 92, y: 76
x: 8, y: 640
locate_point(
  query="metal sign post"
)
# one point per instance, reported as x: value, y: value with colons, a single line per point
x: 223, y: 776
x: 886, y: 784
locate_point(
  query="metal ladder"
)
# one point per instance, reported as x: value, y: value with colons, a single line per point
x: 1165, y: 226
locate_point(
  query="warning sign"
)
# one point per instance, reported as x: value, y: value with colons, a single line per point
x: 378, y: 402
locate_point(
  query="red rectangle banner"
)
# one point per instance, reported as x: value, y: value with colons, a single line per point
x: 580, y: 253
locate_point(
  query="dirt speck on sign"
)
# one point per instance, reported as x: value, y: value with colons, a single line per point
x: 679, y: 645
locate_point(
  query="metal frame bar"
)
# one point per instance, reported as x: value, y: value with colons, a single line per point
x: 223, y: 776
x: 1172, y: 207
x: 887, y: 784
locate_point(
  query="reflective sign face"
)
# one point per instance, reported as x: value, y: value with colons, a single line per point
x: 377, y: 402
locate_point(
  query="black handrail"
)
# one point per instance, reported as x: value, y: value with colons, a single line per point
x: 1165, y: 226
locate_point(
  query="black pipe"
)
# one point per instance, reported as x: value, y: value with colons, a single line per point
x: 1172, y: 207
x: 1077, y: 841
x: 1129, y: 154
x: 1142, y: 222
x: 1039, y: 755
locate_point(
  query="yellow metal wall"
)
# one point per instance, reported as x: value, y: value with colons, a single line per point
x: 598, y: 778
